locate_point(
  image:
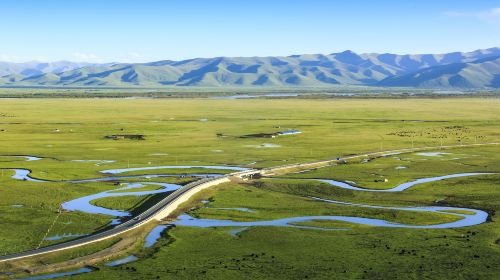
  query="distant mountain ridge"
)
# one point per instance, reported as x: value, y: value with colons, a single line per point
x: 476, y: 74
x: 33, y: 68
x: 477, y: 69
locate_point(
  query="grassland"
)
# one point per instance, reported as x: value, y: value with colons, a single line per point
x: 208, y: 132
x: 218, y: 92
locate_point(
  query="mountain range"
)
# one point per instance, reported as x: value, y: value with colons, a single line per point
x: 34, y: 68
x: 477, y: 69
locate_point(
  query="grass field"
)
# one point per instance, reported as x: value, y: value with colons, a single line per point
x: 208, y: 132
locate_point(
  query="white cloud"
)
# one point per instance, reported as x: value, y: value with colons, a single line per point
x: 19, y: 59
x: 93, y: 58
x: 78, y: 57
x: 491, y: 15
x: 6, y: 57
x: 131, y: 58
x: 87, y: 57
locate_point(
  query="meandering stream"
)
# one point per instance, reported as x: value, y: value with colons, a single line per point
x: 467, y: 216
x: 401, y: 187
x: 84, y: 204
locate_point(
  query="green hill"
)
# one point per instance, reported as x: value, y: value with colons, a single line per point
x: 345, y: 68
x: 478, y: 74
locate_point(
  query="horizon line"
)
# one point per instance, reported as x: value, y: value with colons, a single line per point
x: 254, y: 56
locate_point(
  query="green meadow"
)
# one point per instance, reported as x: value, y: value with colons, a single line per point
x: 70, y: 136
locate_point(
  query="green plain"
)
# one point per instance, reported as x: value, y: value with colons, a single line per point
x: 208, y: 132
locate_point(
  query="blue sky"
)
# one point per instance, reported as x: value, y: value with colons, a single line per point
x: 149, y: 30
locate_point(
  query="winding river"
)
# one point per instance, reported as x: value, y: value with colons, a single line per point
x: 401, y: 187
x: 466, y: 216
x: 84, y: 204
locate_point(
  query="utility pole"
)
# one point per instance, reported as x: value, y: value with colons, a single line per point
x: 381, y: 142
x: 59, y: 212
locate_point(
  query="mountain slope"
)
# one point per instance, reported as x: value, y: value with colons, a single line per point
x: 345, y: 68
x: 35, y: 68
x: 477, y: 74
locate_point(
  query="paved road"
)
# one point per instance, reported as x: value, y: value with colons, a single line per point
x: 152, y: 213
x: 372, y: 154
x: 145, y: 217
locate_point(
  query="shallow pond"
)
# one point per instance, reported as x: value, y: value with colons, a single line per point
x: 431, y: 154
x: 97, y: 162
x: 61, y: 274
x: 242, y: 209
x: 125, y: 260
x: 154, y: 235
